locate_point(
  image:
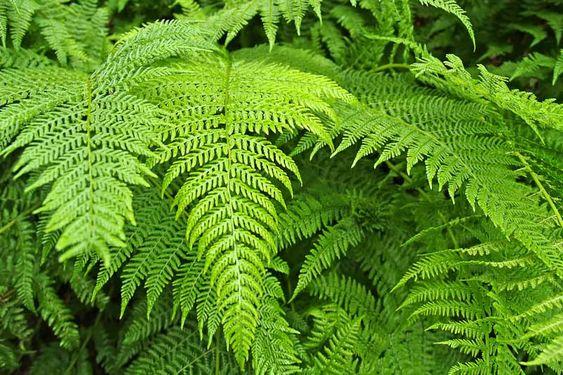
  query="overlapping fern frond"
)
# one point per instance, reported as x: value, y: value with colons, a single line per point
x: 470, y: 153
x: 497, y: 283
x: 27, y: 287
x: 75, y: 32
x: 74, y: 140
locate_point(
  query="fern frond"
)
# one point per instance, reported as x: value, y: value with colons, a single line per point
x: 558, y: 68
x: 469, y: 154
x: 336, y: 357
x: 76, y: 32
x: 551, y: 354
x: 155, y: 251
x: 25, y: 264
x: 8, y: 357
x: 174, y: 351
x: 346, y: 293
x: 188, y: 285
x: 275, y: 348
x: 306, y: 215
x: 332, y: 245
x: 452, y: 77
x: 56, y: 314
x: 54, y: 359
x: 220, y: 111
x: 551, y: 326
x: 17, y: 14
x: 74, y: 139
x: 451, y: 6
x: 530, y: 65
x: 22, y: 58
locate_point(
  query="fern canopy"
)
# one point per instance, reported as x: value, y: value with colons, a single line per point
x: 274, y: 187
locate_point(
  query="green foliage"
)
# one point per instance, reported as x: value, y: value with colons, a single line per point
x: 75, y: 32
x: 281, y: 187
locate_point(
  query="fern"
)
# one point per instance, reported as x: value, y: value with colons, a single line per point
x: 75, y: 32
x: 333, y: 244
x: 452, y: 7
x: 458, y: 156
x: 89, y: 169
x: 275, y: 349
x: 16, y: 16
x: 280, y: 187
x: 167, y: 354
x: 551, y: 353
x: 230, y: 168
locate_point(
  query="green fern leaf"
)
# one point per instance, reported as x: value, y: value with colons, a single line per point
x: 274, y: 350
x: 56, y: 314
x: 552, y: 353
x: 174, y: 351
x: 332, y: 244
x: 91, y: 159
x: 558, y: 68
x: 336, y: 357
x: 220, y: 111
x: 467, y: 154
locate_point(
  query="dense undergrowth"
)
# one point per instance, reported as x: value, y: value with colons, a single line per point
x: 277, y: 187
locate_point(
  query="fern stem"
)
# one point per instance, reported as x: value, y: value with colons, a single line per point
x: 90, y: 157
x: 391, y: 66
x: 540, y: 186
x: 217, y: 355
x: 449, y: 230
x: 11, y: 223
x: 405, y: 177
x: 290, y: 293
x: 6, y: 227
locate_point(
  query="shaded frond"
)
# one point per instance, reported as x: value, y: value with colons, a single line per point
x: 332, y: 245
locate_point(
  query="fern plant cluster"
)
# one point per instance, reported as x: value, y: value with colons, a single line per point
x: 281, y: 187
